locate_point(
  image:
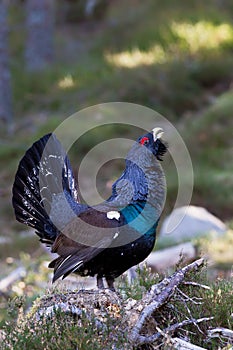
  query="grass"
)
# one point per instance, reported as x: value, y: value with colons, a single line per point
x: 218, y: 248
x: 65, y: 332
x: 210, y: 132
x: 216, y: 302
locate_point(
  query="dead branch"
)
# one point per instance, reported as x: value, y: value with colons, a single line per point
x: 181, y: 344
x: 169, y: 330
x: 195, y: 284
x: 220, y: 332
x: 159, y: 295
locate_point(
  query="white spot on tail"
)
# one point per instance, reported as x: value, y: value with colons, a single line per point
x: 113, y: 215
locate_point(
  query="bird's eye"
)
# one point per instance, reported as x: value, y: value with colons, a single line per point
x: 144, y: 141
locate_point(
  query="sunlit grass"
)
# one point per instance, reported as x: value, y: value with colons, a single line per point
x: 135, y: 58
x: 66, y: 82
x: 187, y: 38
x: 203, y: 35
x: 218, y: 248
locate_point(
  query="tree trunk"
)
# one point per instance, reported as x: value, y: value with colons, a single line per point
x: 5, y: 76
x: 40, y: 34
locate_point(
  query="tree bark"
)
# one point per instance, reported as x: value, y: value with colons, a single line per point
x: 5, y: 75
x: 40, y: 34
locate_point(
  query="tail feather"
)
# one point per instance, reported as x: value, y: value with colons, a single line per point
x: 26, y: 201
x: 43, y: 173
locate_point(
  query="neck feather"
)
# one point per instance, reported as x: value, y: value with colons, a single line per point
x: 142, y: 180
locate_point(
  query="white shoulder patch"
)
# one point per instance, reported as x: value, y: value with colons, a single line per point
x: 113, y: 215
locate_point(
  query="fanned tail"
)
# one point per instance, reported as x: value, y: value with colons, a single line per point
x: 44, y: 177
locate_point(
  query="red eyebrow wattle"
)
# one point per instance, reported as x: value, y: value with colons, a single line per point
x: 143, y: 140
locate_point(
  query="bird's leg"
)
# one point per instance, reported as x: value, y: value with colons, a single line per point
x: 110, y: 282
x: 100, y: 283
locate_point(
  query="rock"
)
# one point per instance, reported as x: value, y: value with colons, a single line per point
x: 188, y: 222
x: 92, y: 307
x: 163, y: 259
x: 50, y: 311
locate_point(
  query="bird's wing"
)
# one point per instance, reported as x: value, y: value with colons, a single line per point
x: 72, y: 255
x: 83, y: 239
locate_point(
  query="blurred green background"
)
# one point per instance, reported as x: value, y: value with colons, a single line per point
x: 174, y: 57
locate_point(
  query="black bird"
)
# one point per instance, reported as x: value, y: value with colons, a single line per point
x: 103, y: 240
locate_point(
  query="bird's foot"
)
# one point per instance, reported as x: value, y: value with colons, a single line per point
x: 100, y: 283
x: 110, y: 282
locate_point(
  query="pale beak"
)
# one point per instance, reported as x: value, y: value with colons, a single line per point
x: 157, y: 133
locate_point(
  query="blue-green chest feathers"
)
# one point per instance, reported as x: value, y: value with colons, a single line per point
x: 141, y: 216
